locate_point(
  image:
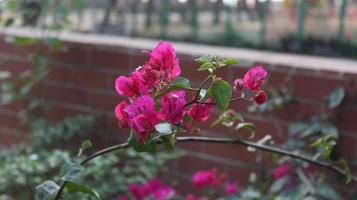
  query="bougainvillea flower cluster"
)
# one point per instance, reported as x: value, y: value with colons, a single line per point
x: 206, y: 178
x: 252, y: 81
x: 153, y: 189
x: 150, y: 100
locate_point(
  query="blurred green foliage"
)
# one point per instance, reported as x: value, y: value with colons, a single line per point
x: 24, y: 166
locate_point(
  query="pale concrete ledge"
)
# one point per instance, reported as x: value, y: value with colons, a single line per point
x: 291, y: 60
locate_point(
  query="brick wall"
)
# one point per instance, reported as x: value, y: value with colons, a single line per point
x: 82, y: 76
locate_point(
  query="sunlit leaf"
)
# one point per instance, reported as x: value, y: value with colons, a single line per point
x: 230, y: 61
x: 85, y: 145
x: 72, y: 171
x: 46, y: 190
x: 336, y: 97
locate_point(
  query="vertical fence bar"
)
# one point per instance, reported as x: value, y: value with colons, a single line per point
x: 300, y: 24
x: 341, y: 20
x: 263, y: 18
x: 229, y: 25
x: 194, y: 22
x: 164, y: 18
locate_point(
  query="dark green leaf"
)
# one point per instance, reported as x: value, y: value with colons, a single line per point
x: 85, y: 145
x: 169, y: 142
x: 230, y: 61
x: 75, y: 187
x: 336, y: 97
x: 46, y: 190
x: 180, y: 82
x: 142, y: 146
x: 9, y: 21
x: 221, y: 92
x: 164, y: 128
x: 205, y: 66
x: 72, y: 171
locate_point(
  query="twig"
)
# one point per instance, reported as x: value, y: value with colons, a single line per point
x: 263, y: 147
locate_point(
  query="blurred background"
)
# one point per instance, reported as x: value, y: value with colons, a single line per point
x: 59, y: 60
x: 323, y: 27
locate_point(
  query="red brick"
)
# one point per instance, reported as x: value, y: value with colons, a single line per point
x: 65, y: 94
x: 88, y: 78
x: 315, y: 88
x: 72, y: 54
x: 104, y: 101
x: 9, y: 137
x: 59, y: 74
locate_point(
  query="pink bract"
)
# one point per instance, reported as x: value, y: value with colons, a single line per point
x: 238, y: 84
x: 200, y: 112
x: 281, y: 171
x: 120, y: 115
x: 253, y: 79
x: 163, y: 58
x: 260, y: 98
x: 203, y: 178
x: 142, y: 116
x: 129, y: 86
x: 173, y: 106
x: 231, y: 188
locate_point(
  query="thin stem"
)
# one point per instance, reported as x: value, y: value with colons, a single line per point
x: 231, y: 100
x: 194, y: 100
x: 255, y: 145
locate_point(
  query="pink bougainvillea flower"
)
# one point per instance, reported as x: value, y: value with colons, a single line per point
x: 231, y: 188
x: 130, y: 86
x: 281, y: 171
x: 238, y: 84
x: 153, y: 189
x: 200, y: 112
x: 121, y: 116
x: 142, y: 115
x: 253, y: 79
x: 148, y: 75
x: 193, y: 197
x: 173, y: 106
x: 122, y: 197
x: 163, y: 58
x: 260, y: 98
x: 136, y: 191
x: 203, y: 178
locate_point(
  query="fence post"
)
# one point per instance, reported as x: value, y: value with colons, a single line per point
x: 264, y: 14
x: 341, y: 25
x: 194, y: 23
x: 229, y: 26
x: 164, y: 18
x: 301, y: 21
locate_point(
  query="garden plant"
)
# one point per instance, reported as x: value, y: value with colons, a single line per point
x: 161, y: 109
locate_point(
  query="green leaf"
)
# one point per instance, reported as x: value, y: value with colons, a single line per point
x: 144, y: 146
x: 327, y: 192
x: 9, y: 21
x: 230, y: 61
x: 204, y: 59
x: 221, y: 92
x: 75, y: 187
x: 279, y: 184
x: 85, y: 145
x: 169, y: 142
x: 72, y: 171
x: 180, y: 82
x: 205, y: 66
x: 246, y: 125
x: 164, y: 128
x: 336, y: 97
x: 46, y: 190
